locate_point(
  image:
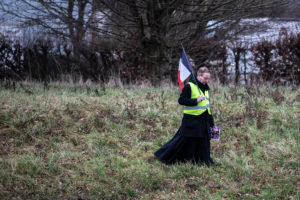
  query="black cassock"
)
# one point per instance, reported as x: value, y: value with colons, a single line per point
x: 191, y: 143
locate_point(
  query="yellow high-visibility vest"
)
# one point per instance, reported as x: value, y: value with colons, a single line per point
x: 202, y: 106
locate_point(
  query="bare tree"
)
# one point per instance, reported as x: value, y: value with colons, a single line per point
x: 159, y: 27
x: 155, y: 28
x: 63, y: 18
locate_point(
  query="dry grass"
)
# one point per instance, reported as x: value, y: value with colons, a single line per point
x: 81, y: 142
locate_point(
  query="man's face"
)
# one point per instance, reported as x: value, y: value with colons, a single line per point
x: 204, y: 78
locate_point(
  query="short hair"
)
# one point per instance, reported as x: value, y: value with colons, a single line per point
x: 202, y: 70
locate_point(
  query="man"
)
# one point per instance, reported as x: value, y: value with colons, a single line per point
x: 192, y: 142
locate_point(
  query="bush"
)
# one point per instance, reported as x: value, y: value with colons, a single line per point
x: 279, y: 63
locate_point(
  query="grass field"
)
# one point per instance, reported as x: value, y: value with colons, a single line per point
x: 68, y: 141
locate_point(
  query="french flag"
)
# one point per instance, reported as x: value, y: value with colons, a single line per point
x: 184, y: 69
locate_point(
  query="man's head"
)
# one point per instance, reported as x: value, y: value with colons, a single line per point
x: 203, y: 75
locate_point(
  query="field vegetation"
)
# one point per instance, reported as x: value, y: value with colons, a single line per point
x: 76, y: 141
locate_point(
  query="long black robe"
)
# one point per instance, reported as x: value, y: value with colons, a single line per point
x: 191, y: 143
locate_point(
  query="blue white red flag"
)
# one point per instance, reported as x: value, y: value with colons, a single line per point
x: 184, y: 69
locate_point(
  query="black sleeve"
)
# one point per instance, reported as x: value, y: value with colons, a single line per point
x: 211, y: 121
x: 185, y: 97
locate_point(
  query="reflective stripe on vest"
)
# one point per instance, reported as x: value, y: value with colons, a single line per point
x: 202, y: 106
x: 196, y: 107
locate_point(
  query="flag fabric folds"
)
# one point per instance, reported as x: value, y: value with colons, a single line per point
x: 184, y: 69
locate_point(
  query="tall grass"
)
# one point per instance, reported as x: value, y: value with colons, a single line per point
x: 81, y: 142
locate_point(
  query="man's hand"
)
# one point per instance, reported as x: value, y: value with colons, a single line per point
x: 200, y: 98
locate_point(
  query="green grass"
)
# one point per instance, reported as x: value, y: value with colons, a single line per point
x: 68, y: 143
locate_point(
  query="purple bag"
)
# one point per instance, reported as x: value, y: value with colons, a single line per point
x: 215, y: 133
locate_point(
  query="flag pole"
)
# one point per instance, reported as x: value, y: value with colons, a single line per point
x: 191, y: 69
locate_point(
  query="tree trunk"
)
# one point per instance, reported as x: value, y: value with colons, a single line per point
x: 237, y: 57
x: 245, y: 68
